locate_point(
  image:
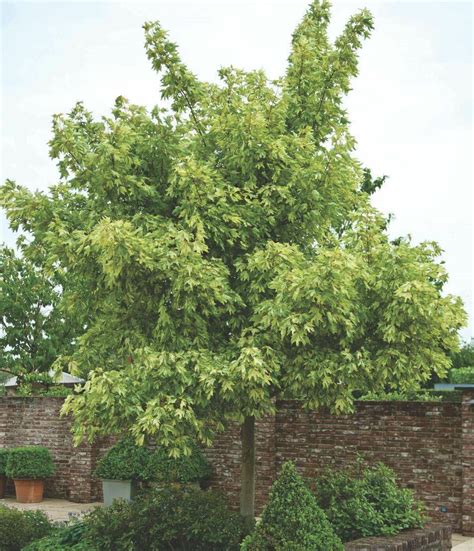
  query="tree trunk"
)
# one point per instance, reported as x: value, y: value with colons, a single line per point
x: 247, y: 475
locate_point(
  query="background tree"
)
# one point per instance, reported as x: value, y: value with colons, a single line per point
x: 225, y: 253
x: 33, y: 331
x: 463, y: 357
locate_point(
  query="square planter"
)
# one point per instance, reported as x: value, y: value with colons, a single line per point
x: 118, y: 489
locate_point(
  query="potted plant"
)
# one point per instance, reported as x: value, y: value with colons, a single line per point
x: 189, y: 470
x: 3, y: 465
x: 29, y: 466
x: 120, y: 470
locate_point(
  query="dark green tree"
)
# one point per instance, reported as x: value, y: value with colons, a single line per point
x: 33, y: 330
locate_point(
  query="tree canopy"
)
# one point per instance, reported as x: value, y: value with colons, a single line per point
x: 223, y: 252
x: 33, y: 330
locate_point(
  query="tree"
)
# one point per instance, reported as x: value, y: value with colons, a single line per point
x: 226, y: 255
x: 464, y: 357
x: 33, y: 331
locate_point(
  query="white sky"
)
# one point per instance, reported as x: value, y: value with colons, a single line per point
x: 411, y: 106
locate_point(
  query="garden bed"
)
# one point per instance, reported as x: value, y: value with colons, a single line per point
x: 434, y: 537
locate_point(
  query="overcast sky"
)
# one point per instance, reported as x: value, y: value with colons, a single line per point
x: 411, y: 106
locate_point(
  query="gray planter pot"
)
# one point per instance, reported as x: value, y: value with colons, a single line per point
x: 118, y: 489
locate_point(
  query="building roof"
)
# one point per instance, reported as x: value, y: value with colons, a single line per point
x: 63, y: 379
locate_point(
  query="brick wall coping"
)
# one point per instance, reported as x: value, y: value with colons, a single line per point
x: 433, y: 537
x: 379, y: 403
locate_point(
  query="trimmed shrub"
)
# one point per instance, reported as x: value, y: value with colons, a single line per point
x: 292, y: 519
x: 191, y: 468
x: 124, y: 461
x: 19, y: 528
x: 61, y: 391
x: 407, y: 396
x: 366, y: 504
x: 29, y: 462
x: 163, y: 519
x: 4, y: 452
x: 462, y: 375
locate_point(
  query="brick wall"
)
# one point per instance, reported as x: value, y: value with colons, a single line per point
x: 37, y: 422
x: 430, y: 538
x: 467, y: 457
x: 420, y: 441
x: 429, y: 445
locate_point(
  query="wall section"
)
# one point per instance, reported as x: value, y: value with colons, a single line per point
x: 429, y: 445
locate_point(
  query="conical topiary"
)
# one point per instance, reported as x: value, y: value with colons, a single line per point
x: 292, y: 519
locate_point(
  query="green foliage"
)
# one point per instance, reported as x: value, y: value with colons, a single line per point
x: 410, y: 396
x: 28, y: 389
x: 186, y: 468
x: 69, y: 537
x: 223, y: 253
x: 29, y: 462
x: 124, y: 461
x: 33, y: 331
x: 19, y: 528
x: 4, y: 452
x: 168, y: 518
x: 292, y: 520
x: 368, y: 503
x: 462, y: 375
x: 463, y: 357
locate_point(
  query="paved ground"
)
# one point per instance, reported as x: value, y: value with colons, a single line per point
x: 462, y: 543
x: 60, y: 509
x: 56, y: 509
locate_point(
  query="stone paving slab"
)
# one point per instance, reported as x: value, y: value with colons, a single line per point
x: 462, y: 543
x: 56, y: 509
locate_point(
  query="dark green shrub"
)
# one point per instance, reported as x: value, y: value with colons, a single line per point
x: 163, y: 519
x: 54, y: 543
x: 72, y: 533
x: 65, y: 538
x: 399, y: 396
x: 124, y: 461
x: 368, y: 503
x: 29, y: 462
x: 292, y: 520
x: 19, y: 528
x: 111, y: 528
x: 57, y: 390
x: 462, y: 375
x: 3, y: 460
x: 163, y: 468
